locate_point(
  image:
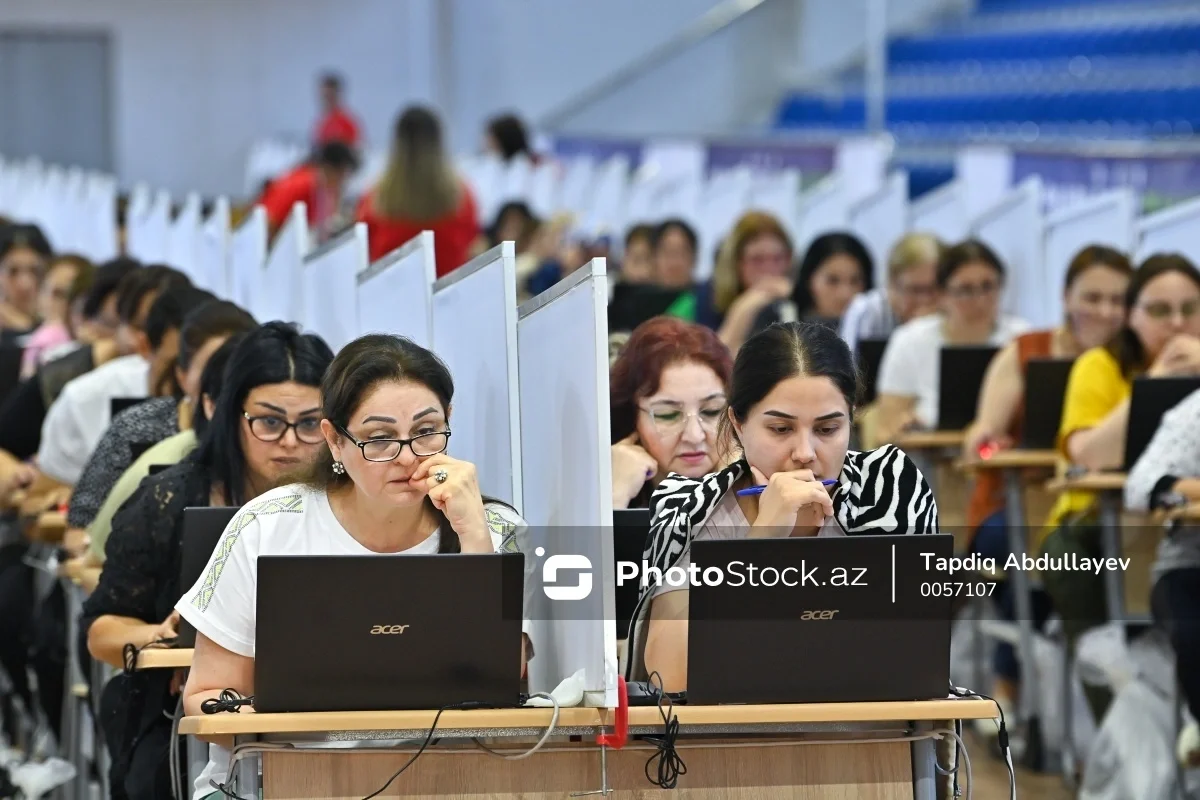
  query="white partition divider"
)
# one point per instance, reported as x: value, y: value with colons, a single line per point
x: 99, y: 234
x: 147, y: 227
x: 942, y: 212
x: 562, y: 342
x: 606, y: 209
x: 330, y: 278
x: 247, y: 263
x: 880, y: 220
x: 212, y: 251
x: 824, y: 208
x: 778, y: 193
x: 862, y: 163
x: 1108, y: 218
x: 726, y: 197
x: 1013, y: 229
x: 281, y: 295
x: 544, y: 190
x: 475, y: 333
x: 1175, y: 229
x: 395, y: 294
x: 183, y: 238
x: 578, y: 180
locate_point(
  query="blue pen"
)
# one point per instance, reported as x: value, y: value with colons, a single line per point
x: 759, y: 489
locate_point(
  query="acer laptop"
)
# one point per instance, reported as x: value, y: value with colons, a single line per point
x: 866, y: 620
x: 202, y: 530
x: 1045, y: 391
x: 631, y: 527
x: 961, y: 377
x: 1151, y: 398
x: 362, y: 633
x: 868, y: 357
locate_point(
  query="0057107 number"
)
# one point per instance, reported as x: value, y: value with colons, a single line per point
x: 955, y: 589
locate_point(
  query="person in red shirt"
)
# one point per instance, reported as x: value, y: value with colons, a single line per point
x: 319, y: 183
x: 336, y: 123
x: 420, y: 191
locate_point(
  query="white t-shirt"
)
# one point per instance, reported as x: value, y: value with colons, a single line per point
x: 76, y: 421
x: 292, y: 520
x: 912, y: 361
x: 728, y: 522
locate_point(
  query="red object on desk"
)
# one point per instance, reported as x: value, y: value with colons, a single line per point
x: 616, y: 740
x: 988, y: 449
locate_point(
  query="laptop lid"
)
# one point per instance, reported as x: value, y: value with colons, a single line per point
x: 862, y: 621
x: 359, y: 633
x: 202, y: 529
x: 868, y: 357
x: 1150, y: 399
x: 631, y: 527
x: 1045, y: 390
x: 961, y: 376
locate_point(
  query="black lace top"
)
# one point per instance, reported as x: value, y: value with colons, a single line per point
x: 141, y: 580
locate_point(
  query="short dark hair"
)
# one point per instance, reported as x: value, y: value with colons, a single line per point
x: 640, y: 231
x: 674, y: 223
x: 332, y: 80
x: 824, y: 247
x: 785, y: 350
x: 212, y: 379
x: 141, y: 282
x: 168, y: 310
x: 273, y: 353
x: 106, y: 280
x: 209, y: 321
x: 972, y: 251
x: 1125, y: 346
x: 336, y: 155
x: 18, y: 235
x: 510, y: 135
x: 1097, y: 255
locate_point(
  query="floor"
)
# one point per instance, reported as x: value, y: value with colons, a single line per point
x: 991, y: 778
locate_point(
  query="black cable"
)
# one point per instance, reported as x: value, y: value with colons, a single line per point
x: 669, y: 763
x: 229, y: 700
x: 130, y: 652
x: 1001, y: 737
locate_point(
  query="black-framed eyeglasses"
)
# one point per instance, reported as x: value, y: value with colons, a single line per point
x: 271, y: 428
x: 423, y: 445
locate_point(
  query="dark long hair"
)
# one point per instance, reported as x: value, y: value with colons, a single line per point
x: 823, y: 248
x: 210, y: 321
x: 359, y: 367
x: 274, y: 353
x: 785, y: 350
x: 510, y: 135
x: 212, y: 381
x: 1125, y: 346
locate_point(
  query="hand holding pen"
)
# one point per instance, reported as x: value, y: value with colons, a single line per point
x: 782, y: 498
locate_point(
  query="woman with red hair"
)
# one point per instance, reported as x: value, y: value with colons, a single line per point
x: 667, y: 397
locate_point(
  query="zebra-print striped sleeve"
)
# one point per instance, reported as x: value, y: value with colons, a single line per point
x: 883, y: 491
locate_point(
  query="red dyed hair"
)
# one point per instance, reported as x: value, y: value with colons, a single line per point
x: 652, y: 347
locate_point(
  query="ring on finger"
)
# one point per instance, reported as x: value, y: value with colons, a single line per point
x: 441, y: 475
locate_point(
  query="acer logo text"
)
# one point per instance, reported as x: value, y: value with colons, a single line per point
x: 811, y: 615
x: 388, y: 629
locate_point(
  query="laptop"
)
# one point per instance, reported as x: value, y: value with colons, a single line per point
x: 202, y: 529
x: 1151, y: 398
x: 360, y: 633
x: 10, y: 369
x: 119, y: 404
x: 1045, y: 390
x: 868, y: 357
x: 960, y: 379
x: 631, y: 527
x: 883, y: 635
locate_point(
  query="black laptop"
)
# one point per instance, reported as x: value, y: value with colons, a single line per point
x: 202, y: 529
x: 960, y: 379
x: 361, y: 633
x: 868, y: 357
x: 1045, y: 390
x: 868, y: 621
x: 1151, y: 398
x: 631, y: 527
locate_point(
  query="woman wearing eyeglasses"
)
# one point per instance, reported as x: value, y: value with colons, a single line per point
x: 382, y: 485
x: 264, y: 425
x: 667, y: 396
x: 970, y: 281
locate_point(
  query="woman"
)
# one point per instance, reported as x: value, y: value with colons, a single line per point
x: 419, y: 191
x: 266, y: 424
x: 1093, y: 299
x: 911, y: 291
x: 67, y: 277
x: 1169, y: 469
x: 24, y: 253
x: 669, y: 290
x: 667, y: 397
x: 836, y: 269
x: 1160, y: 338
x: 791, y: 405
x: 753, y: 270
x: 637, y: 259
x: 507, y: 138
x: 383, y: 485
x: 206, y: 324
x: 970, y: 282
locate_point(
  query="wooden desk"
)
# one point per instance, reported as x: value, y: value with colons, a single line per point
x: 1014, y: 458
x: 811, y: 751
x: 931, y: 440
x: 1089, y: 482
x: 49, y: 527
x: 165, y: 658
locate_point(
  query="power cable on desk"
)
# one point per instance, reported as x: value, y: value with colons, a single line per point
x: 540, y: 742
x: 670, y: 764
x: 1002, y: 738
x: 130, y: 652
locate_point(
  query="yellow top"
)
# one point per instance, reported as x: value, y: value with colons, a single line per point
x: 1095, y: 387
